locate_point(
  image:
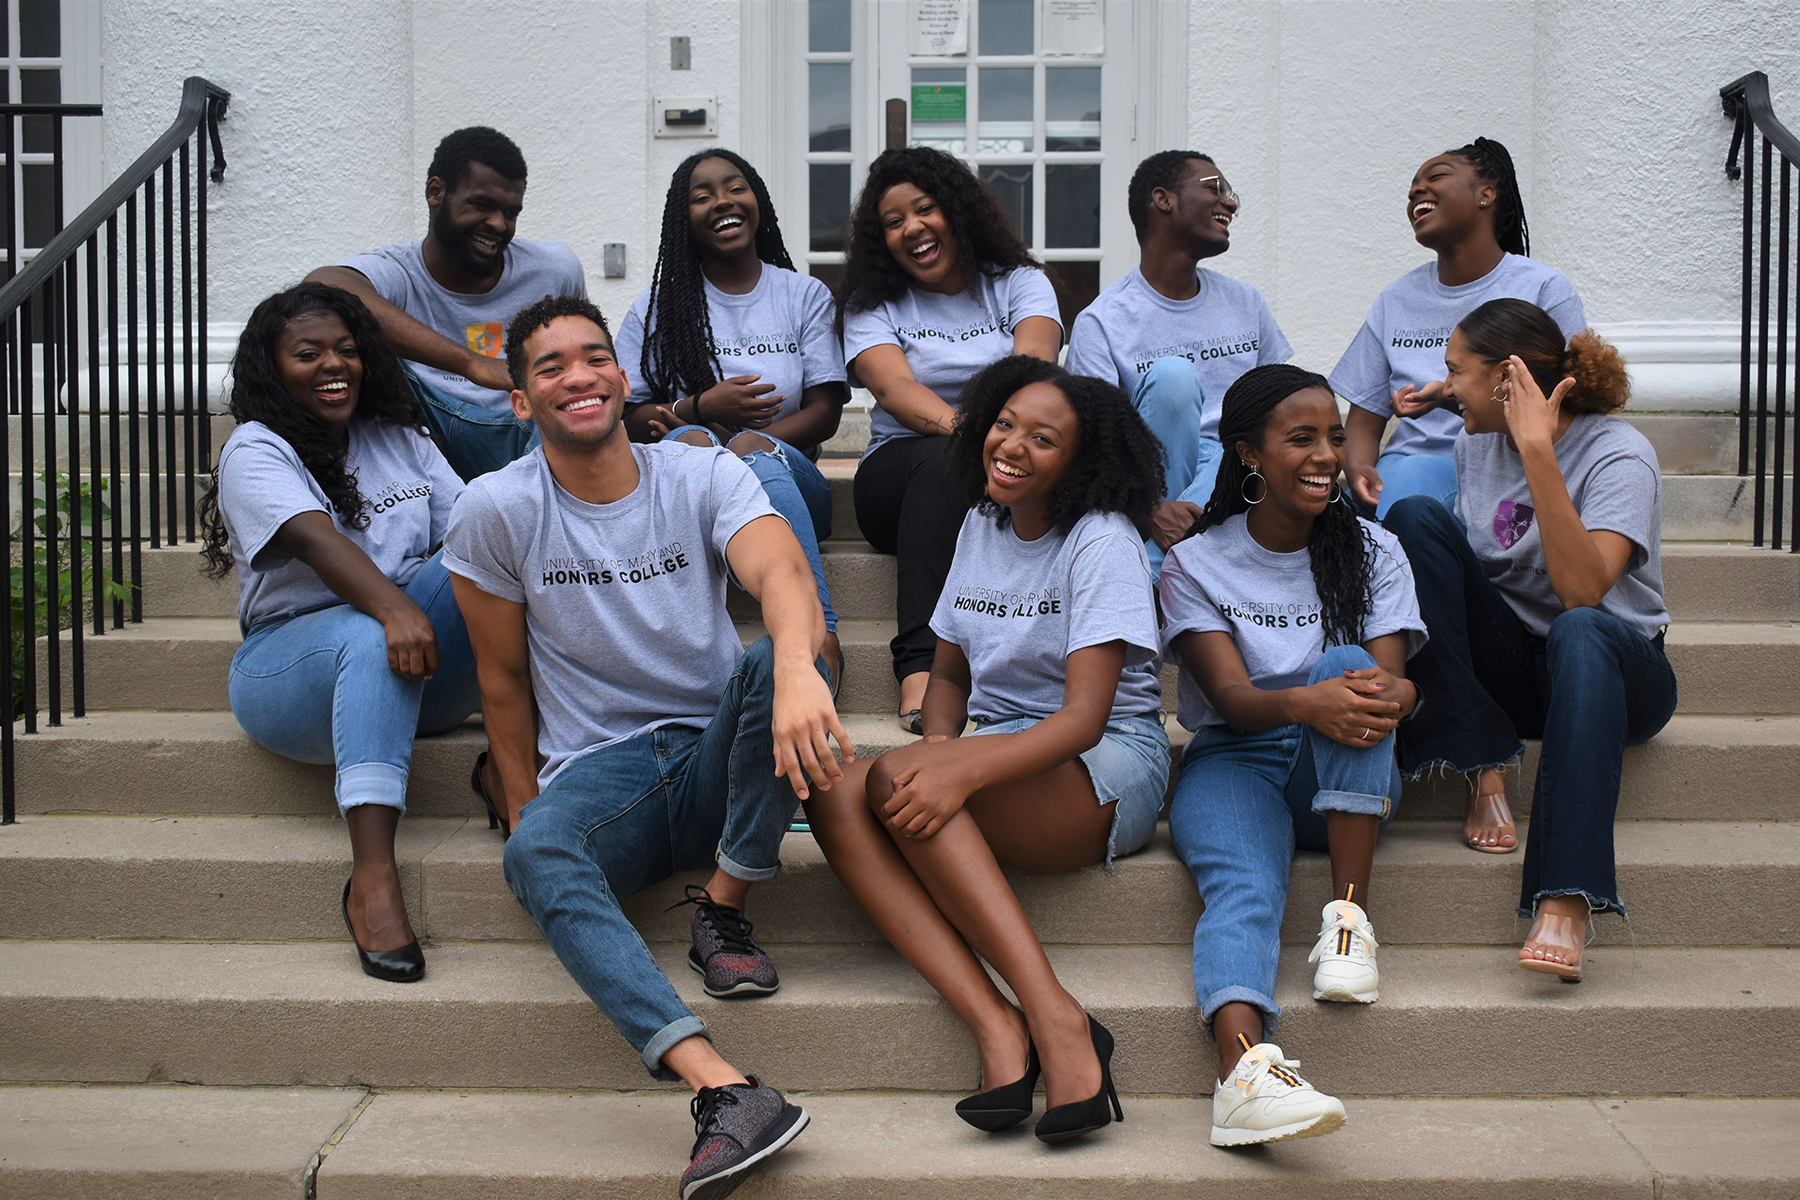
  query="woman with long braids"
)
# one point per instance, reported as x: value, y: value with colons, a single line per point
x: 1465, y: 205
x: 936, y: 286
x: 331, y: 501
x: 1544, y: 595
x: 1048, y: 628
x: 1293, y: 619
x: 730, y: 346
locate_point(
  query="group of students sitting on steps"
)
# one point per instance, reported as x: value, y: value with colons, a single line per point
x: 407, y: 554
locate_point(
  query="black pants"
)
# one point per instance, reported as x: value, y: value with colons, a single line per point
x: 907, y: 508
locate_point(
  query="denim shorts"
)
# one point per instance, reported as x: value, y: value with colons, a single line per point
x: 1130, y: 765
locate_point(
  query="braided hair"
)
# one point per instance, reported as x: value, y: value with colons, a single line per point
x: 258, y: 394
x: 1341, y: 550
x: 678, y: 358
x: 1493, y: 164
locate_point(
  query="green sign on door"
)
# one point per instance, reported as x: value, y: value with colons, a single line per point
x: 940, y: 102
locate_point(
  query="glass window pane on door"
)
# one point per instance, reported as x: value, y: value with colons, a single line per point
x: 828, y: 205
x: 1072, y: 108
x: 940, y: 108
x: 828, y: 106
x: 39, y: 203
x: 828, y: 26
x: 1077, y: 284
x: 40, y: 29
x: 41, y: 85
x: 1007, y: 26
x: 1012, y: 186
x: 1071, y: 205
x: 1004, y: 125
x: 831, y: 274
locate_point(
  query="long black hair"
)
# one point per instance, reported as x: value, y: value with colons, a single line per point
x: 258, y: 394
x: 1118, y: 463
x: 678, y: 358
x: 1341, y: 550
x: 985, y: 239
x: 1494, y: 164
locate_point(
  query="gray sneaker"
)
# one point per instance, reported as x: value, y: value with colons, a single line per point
x: 725, y: 954
x: 737, y: 1128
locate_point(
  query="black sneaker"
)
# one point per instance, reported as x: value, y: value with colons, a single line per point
x: 737, y: 1128
x: 725, y: 953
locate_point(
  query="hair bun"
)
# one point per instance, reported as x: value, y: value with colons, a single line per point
x: 1602, y: 383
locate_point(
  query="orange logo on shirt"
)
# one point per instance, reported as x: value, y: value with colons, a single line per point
x: 489, y: 339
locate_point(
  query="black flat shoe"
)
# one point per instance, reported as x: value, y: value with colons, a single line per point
x: 1067, y: 1121
x: 913, y: 721
x: 1003, y: 1107
x: 405, y: 965
x: 480, y: 788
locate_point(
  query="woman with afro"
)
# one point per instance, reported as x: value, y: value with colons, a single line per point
x: 1293, y: 619
x: 730, y: 346
x: 1543, y: 590
x: 331, y: 500
x: 936, y: 286
x: 1047, y: 640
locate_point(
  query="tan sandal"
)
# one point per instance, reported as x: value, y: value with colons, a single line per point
x: 1570, y: 948
x: 1482, y: 810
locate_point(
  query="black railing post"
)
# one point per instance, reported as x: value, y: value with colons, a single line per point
x: 150, y: 426
x: 134, y: 441
x: 1762, y: 363
x: 112, y: 411
x: 190, y: 442
x: 95, y: 490
x: 1781, y: 290
x: 168, y: 314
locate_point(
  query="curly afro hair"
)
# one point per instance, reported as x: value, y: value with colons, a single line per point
x: 1118, y: 463
x: 535, y: 316
x: 1505, y: 327
x: 985, y: 239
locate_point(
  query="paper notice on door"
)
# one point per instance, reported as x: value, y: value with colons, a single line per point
x: 938, y: 27
x: 1074, y: 27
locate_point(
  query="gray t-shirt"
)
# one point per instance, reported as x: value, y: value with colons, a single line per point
x: 533, y: 270
x: 1018, y: 609
x: 782, y: 329
x: 1224, y: 330
x: 1223, y: 581
x: 1612, y: 475
x: 947, y: 339
x: 625, y: 602
x: 1402, y: 341
x: 262, y: 485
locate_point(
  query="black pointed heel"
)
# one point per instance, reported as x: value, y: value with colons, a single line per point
x: 1001, y: 1108
x: 405, y: 965
x: 480, y: 789
x: 1067, y: 1121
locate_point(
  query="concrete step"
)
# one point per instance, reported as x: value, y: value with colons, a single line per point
x: 183, y: 663
x: 1693, y: 1021
x: 1703, y: 581
x: 1689, y: 883
x: 201, y: 763
x: 157, y: 1141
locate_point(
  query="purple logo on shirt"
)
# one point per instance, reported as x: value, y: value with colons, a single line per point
x: 1511, y: 522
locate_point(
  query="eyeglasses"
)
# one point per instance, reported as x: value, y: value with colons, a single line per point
x: 1218, y: 186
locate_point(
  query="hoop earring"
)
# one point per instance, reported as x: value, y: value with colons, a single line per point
x: 1254, y: 474
x: 1337, y: 492
x: 1497, y: 397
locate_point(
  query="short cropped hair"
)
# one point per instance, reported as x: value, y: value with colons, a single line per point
x: 1163, y: 169
x: 477, y: 144
x: 534, y: 317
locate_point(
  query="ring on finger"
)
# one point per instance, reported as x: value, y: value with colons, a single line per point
x: 1365, y: 734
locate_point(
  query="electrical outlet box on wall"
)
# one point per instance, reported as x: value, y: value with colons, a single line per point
x: 684, y: 116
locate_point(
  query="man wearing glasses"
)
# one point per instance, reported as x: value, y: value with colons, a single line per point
x: 1174, y: 334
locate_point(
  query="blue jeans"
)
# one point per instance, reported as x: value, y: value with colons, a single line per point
x: 474, y: 440
x: 315, y: 687
x: 618, y: 819
x: 1244, y: 802
x: 797, y: 491
x: 1171, y: 401
x: 1404, y: 475
x: 1593, y: 687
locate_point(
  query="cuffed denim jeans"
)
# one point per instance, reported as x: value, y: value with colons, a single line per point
x: 316, y: 687
x: 1171, y: 401
x: 475, y: 440
x: 618, y: 819
x: 1593, y: 687
x: 799, y: 492
x: 1243, y: 803
x: 1404, y: 475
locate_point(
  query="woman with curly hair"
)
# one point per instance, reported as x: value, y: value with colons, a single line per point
x: 1048, y: 641
x: 936, y: 286
x: 1293, y: 619
x: 730, y: 346
x: 1544, y: 595
x: 331, y: 500
x: 1465, y: 205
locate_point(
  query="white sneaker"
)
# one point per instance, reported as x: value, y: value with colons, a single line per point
x: 1265, y: 1100
x: 1345, y: 953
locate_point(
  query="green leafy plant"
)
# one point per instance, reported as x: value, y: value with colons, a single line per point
x: 75, y: 507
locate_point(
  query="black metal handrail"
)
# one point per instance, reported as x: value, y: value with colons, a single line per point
x: 1747, y: 106
x: 77, y: 549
